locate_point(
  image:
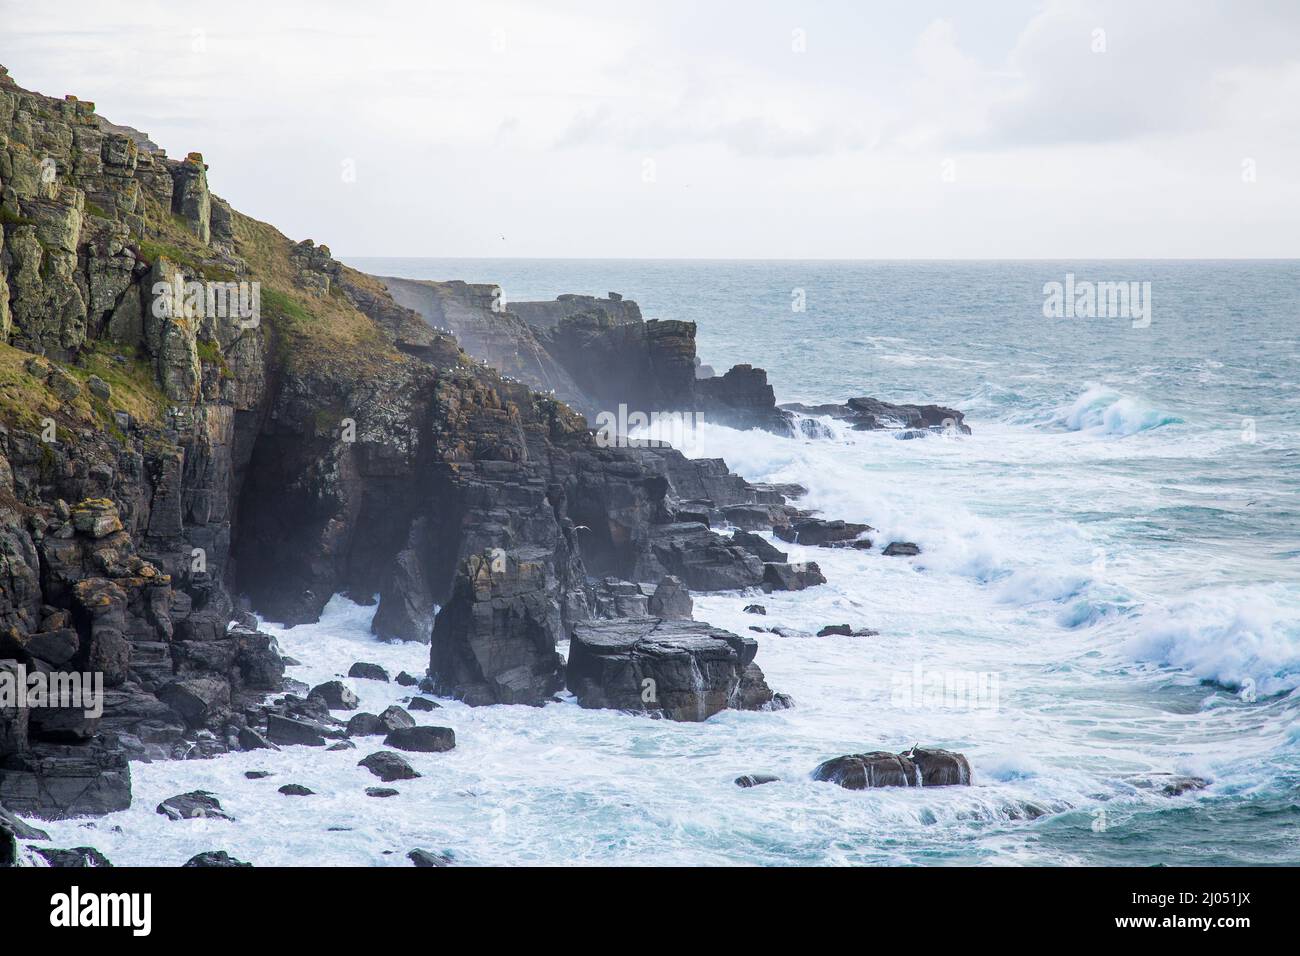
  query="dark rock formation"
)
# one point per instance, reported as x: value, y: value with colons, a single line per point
x: 1170, y: 784
x: 745, y: 781
x: 336, y: 694
x: 216, y: 858
x: 765, y: 550
x: 368, y: 671
x: 161, y: 462
x: 594, y: 354
x: 742, y: 398
x: 192, y: 805
x: 866, y: 414
x: 426, y: 858
x: 296, y: 790
x: 683, y: 670
x: 816, y: 532
x: 915, y: 768
x: 494, y: 642
x: 381, y: 792
x: 388, y: 766
x: 290, y: 731
x: 901, y: 549
x: 430, y: 740
x: 792, y: 577
x: 670, y: 601
x: 77, y: 857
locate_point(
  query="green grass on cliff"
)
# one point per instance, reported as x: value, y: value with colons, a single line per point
x: 321, y: 332
x: 129, y: 374
x: 27, y: 401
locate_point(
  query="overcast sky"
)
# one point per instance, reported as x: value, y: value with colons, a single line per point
x: 711, y: 129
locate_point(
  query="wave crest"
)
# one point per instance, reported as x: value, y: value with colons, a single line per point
x: 1104, y: 411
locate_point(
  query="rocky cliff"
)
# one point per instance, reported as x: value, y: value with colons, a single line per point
x: 200, y: 418
x: 594, y: 354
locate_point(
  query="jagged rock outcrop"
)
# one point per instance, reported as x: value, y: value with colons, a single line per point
x: 548, y: 314
x: 868, y: 414
x: 742, y: 398
x: 200, y: 417
x: 682, y: 670
x: 494, y: 643
x: 914, y: 768
x: 597, y: 355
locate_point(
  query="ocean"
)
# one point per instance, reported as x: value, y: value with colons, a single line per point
x: 1108, y: 592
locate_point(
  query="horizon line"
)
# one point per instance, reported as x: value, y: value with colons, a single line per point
x: 834, y: 258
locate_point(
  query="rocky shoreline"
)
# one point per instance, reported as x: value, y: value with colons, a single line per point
x: 170, y: 469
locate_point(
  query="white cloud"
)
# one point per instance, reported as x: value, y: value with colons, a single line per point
x: 469, y: 122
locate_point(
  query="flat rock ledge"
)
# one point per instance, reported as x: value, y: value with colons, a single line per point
x: 682, y: 670
x: 913, y: 768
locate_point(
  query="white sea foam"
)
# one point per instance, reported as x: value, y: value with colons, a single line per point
x: 1239, y: 636
x: 1104, y: 411
x: 1008, y: 584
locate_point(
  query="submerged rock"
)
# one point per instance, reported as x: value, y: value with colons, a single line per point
x: 367, y: 671
x: 214, y: 858
x: 296, y: 790
x: 193, y: 805
x: 78, y: 856
x: 845, y: 630
x: 494, y: 642
x: 381, y: 792
x: 867, y: 414
x: 755, y: 779
x: 425, y: 858
x: 422, y: 739
x: 388, y: 766
x: 817, y: 532
x: 901, y: 549
x: 914, y: 768
x: 1170, y: 784
x: 336, y: 694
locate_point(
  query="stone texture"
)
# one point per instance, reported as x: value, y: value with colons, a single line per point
x: 683, y: 670
x: 915, y: 768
